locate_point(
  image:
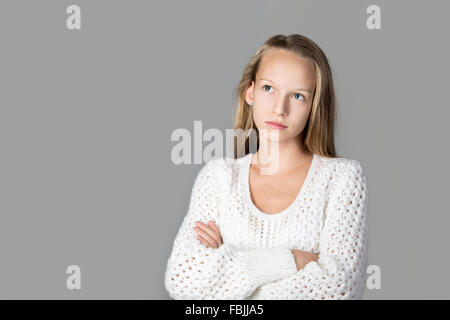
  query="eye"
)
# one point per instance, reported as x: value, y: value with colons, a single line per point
x: 266, y: 86
x: 303, y: 98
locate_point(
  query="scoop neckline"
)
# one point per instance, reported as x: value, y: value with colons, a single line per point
x: 254, y: 208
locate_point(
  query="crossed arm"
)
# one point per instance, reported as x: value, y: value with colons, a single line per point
x: 209, y: 235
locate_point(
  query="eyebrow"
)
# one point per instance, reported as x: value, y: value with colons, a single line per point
x: 295, y: 89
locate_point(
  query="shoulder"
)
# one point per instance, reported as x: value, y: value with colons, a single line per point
x: 209, y: 172
x: 221, y: 168
x: 225, y: 171
x: 341, y: 165
x: 225, y: 164
x: 218, y: 166
x: 344, y: 172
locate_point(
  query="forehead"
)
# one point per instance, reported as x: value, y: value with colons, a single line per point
x: 287, y: 68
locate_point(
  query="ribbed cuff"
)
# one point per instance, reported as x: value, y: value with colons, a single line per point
x: 269, y: 264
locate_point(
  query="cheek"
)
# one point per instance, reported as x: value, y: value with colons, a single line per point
x: 298, y: 119
x: 261, y: 112
x: 265, y: 100
x: 258, y: 116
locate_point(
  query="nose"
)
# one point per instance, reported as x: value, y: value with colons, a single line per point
x: 281, y: 108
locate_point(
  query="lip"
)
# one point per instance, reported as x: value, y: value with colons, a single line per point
x: 276, y: 125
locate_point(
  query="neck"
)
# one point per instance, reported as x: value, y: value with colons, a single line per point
x: 286, y: 155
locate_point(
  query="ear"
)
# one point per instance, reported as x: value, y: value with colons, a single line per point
x: 249, y: 93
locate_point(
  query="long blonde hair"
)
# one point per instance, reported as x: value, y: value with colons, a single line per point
x: 318, y: 135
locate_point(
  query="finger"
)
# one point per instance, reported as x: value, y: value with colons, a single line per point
x: 213, y: 232
x: 209, y: 242
x: 199, y: 238
x: 210, y: 231
x: 216, y: 229
x: 206, y: 236
x: 203, y: 241
x: 212, y: 225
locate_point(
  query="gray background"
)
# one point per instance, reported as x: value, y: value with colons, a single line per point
x: 86, y: 118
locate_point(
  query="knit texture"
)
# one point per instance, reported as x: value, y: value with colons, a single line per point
x: 328, y: 217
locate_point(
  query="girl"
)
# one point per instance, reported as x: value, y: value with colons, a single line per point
x: 299, y: 232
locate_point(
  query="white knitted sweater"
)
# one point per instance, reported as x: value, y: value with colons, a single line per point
x: 328, y: 216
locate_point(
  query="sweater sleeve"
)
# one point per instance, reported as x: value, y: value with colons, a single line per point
x: 195, y: 272
x: 340, y: 270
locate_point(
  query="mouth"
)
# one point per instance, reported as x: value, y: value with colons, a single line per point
x: 276, y: 125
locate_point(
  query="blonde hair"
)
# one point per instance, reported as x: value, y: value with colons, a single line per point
x: 318, y: 135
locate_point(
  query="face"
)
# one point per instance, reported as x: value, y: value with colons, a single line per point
x: 283, y: 93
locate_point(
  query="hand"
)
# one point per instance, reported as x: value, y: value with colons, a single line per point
x: 302, y: 258
x: 209, y: 235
